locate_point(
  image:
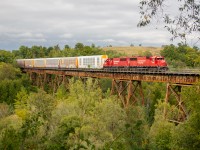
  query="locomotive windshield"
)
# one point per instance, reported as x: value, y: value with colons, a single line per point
x: 133, y: 59
x: 160, y: 58
x: 122, y: 59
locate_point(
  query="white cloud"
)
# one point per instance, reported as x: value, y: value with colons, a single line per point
x: 50, y: 22
x: 66, y: 35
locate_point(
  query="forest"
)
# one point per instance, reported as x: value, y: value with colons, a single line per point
x: 87, y: 116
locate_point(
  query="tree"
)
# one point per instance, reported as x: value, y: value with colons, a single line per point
x: 21, y: 103
x: 137, y: 128
x: 185, y: 20
x: 67, y: 46
x: 79, y: 46
x: 57, y: 47
x: 93, y: 45
x: 86, y: 119
x: 24, y: 52
x: 147, y: 53
x: 35, y: 125
x: 6, y: 56
x: 132, y: 45
x: 161, y: 131
x: 181, y: 56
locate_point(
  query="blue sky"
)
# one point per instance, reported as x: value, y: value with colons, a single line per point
x: 52, y: 22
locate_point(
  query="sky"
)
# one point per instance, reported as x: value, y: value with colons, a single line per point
x: 52, y: 22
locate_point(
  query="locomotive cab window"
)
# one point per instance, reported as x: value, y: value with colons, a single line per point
x: 133, y: 59
x: 122, y: 59
x: 159, y: 58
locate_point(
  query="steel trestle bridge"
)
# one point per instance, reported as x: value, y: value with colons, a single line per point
x: 125, y: 83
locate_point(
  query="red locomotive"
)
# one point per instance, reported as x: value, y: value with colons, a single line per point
x: 154, y: 63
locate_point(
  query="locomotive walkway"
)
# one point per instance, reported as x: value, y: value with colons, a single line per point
x: 126, y: 84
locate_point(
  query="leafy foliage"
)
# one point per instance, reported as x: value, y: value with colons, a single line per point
x: 181, y: 56
x: 11, y: 81
x: 186, y: 135
x: 6, y: 56
x: 185, y: 22
x: 85, y: 116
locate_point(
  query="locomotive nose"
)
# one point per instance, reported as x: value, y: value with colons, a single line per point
x: 164, y: 63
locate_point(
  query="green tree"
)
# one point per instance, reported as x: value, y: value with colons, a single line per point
x: 137, y: 128
x: 79, y: 46
x: 11, y: 81
x: 57, y: 47
x: 66, y: 47
x: 161, y: 131
x: 6, y: 56
x: 9, y: 127
x: 7, y: 71
x: 24, y: 52
x: 21, y: 103
x: 186, y: 135
x: 36, y: 123
x: 86, y: 119
x: 181, y: 56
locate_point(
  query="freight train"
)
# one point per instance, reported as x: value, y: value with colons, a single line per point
x: 154, y: 63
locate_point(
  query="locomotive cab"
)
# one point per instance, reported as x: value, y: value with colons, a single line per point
x: 160, y: 61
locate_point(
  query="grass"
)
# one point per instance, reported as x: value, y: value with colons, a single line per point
x: 134, y: 50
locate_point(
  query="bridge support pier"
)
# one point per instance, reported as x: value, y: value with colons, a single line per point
x: 129, y: 92
x: 52, y: 80
x: 175, y: 89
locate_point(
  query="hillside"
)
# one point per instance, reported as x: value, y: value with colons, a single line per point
x: 134, y: 50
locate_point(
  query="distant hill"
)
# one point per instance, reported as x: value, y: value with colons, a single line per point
x: 134, y: 50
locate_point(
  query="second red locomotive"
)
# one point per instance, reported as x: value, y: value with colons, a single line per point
x: 154, y: 63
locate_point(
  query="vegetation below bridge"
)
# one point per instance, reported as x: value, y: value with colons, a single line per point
x: 85, y: 116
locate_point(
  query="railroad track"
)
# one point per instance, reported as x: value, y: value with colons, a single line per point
x: 192, y: 72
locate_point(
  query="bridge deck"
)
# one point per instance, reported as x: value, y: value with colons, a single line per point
x: 168, y: 77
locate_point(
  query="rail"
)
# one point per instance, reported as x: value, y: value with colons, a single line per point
x: 192, y: 72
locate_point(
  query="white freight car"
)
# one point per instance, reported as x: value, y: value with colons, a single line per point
x: 52, y: 62
x: 25, y: 63
x: 29, y: 63
x: 96, y: 61
x: 39, y: 63
x: 21, y: 63
x: 68, y: 62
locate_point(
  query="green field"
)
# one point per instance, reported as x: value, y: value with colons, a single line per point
x: 134, y: 50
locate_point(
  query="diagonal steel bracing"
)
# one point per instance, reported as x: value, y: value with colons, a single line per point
x: 175, y: 90
x: 129, y: 92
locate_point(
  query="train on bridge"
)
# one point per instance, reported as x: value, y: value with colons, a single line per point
x: 153, y: 63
